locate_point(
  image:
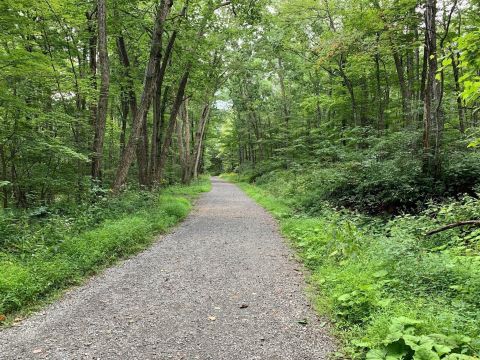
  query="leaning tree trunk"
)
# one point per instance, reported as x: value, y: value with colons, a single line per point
x: 148, y: 89
x: 159, y: 109
x: 102, y: 106
x: 179, y: 97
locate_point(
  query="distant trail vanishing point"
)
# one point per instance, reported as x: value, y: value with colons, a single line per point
x: 223, y: 285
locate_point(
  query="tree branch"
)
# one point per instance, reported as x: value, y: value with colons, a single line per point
x: 454, y: 225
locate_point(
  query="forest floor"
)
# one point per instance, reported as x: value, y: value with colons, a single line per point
x: 223, y: 285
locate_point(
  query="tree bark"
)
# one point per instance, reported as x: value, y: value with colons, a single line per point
x: 102, y: 108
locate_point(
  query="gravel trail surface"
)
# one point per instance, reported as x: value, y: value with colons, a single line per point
x: 223, y: 285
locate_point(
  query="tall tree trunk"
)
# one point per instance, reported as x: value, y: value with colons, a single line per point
x: 124, y: 119
x: 283, y: 91
x: 102, y: 107
x: 199, y: 135
x: 431, y: 96
x: 129, y: 100
x: 148, y: 89
x: 180, y: 140
x: 186, y: 173
x: 92, y: 56
x: 3, y: 177
x: 349, y: 85
x: 458, y: 93
x: 403, y: 85
x: 158, y: 106
x: 142, y: 153
x: 456, y: 77
x: 378, y: 88
x: 159, y: 109
x: 167, y: 141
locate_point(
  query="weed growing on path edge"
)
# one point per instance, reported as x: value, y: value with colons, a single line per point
x: 27, y: 279
x: 390, y: 292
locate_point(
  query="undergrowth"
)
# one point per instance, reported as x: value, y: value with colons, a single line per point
x: 391, y: 292
x: 41, y: 254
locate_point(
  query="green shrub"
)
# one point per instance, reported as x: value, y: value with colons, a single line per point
x: 403, y: 343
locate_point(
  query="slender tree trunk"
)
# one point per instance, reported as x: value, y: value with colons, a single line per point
x: 403, y: 86
x: 281, y: 77
x: 186, y: 175
x: 199, y: 135
x: 157, y: 108
x: 348, y: 84
x: 124, y: 119
x: 381, y: 112
x: 3, y: 163
x: 180, y: 141
x: 102, y: 108
x: 92, y: 55
x: 431, y: 96
x: 458, y: 91
x: 171, y: 125
x: 129, y: 100
x: 142, y: 153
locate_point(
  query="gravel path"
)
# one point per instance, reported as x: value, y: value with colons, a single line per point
x: 223, y: 285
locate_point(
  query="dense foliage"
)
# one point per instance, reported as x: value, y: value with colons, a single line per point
x: 347, y: 90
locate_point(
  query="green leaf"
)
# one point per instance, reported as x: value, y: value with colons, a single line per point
x: 424, y: 353
x: 376, y: 354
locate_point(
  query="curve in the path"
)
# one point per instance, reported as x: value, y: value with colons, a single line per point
x: 223, y: 285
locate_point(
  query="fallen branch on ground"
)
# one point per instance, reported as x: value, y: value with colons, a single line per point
x: 454, y: 225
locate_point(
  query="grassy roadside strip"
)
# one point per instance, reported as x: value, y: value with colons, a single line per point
x: 27, y: 281
x: 388, y: 297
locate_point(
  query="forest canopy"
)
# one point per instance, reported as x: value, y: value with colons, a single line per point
x: 89, y: 89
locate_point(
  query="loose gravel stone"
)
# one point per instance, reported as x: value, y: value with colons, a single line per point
x: 184, y: 297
